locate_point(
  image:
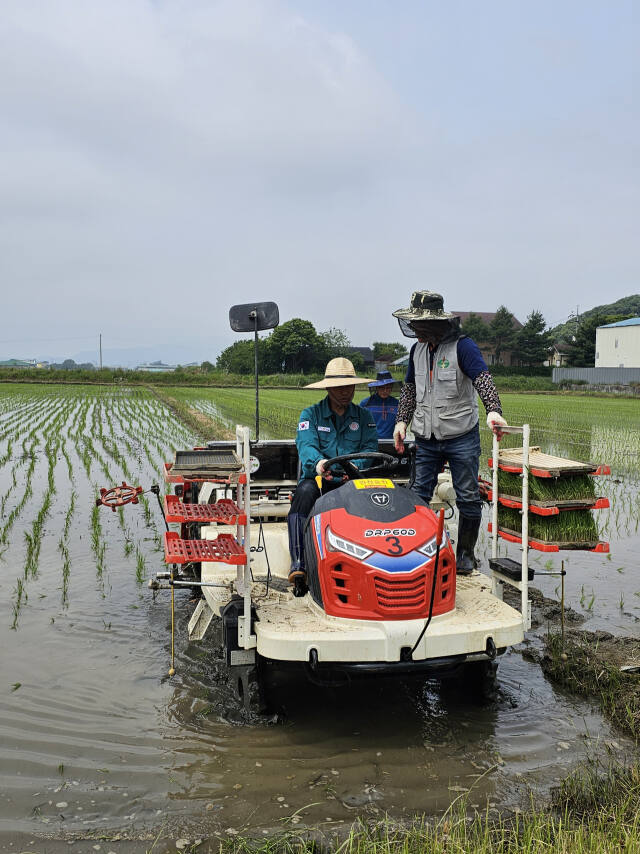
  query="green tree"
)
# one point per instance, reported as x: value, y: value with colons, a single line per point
x: 335, y: 343
x: 295, y: 347
x: 356, y: 359
x: 237, y: 359
x: 532, y: 341
x: 475, y: 327
x: 207, y: 367
x: 501, y: 332
x: 583, y: 353
x: 391, y: 349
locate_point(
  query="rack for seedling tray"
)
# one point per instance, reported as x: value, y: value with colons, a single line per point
x: 505, y: 570
x: 528, y: 462
x: 220, y: 466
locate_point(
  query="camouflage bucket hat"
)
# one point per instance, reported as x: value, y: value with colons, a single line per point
x: 425, y: 305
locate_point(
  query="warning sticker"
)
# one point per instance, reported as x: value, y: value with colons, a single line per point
x: 374, y: 483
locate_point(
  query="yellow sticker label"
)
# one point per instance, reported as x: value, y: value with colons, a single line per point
x: 374, y: 483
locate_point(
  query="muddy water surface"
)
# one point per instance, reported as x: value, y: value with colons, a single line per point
x: 96, y: 739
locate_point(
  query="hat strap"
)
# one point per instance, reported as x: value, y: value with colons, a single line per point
x: 339, y: 376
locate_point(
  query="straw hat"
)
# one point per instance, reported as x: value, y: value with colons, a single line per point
x: 425, y: 305
x: 338, y: 372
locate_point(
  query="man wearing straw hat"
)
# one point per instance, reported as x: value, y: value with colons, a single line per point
x: 446, y: 371
x: 381, y: 405
x: 330, y: 428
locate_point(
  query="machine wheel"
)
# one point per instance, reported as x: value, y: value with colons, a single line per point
x: 480, y: 678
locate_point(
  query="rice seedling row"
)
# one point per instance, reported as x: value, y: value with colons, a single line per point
x: 62, y: 445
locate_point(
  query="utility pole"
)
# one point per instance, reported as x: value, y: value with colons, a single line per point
x: 101, y: 351
x: 575, y: 318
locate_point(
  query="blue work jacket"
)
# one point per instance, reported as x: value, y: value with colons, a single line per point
x: 323, y: 434
x: 384, y: 411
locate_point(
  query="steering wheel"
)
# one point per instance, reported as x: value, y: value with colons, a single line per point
x: 385, y: 462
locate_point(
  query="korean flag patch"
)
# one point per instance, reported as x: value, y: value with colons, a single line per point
x: 303, y: 425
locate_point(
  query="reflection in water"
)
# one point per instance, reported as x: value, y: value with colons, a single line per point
x: 378, y: 745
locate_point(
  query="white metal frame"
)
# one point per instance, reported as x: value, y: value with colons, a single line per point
x: 498, y: 579
x: 243, y: 576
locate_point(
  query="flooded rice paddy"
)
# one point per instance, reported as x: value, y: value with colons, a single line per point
x: 96, y: 739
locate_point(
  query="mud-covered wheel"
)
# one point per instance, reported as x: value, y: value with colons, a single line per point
x: 480, y: 679
x: 250, y: 685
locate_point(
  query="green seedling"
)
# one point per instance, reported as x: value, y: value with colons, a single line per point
x: 569, y: 526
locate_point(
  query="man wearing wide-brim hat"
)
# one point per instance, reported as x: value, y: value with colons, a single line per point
x: 381, y: 404
x: 330, y: 428
x: 445, y: 376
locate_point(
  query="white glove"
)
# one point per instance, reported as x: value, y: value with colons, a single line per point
x: 494, y: 422
x: 320, y: 467
x: 399, y: 433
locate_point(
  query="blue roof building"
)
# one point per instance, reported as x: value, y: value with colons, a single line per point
x: 618, y: 344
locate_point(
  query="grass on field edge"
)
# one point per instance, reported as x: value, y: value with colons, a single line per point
x: 197, y: 378
x: 576, y: 665
x: 595, y: 809
x: 505, y: 385
x: 204, y: 426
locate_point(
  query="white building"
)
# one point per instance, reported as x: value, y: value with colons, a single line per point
x: 155, y: 367
x: 618, y: 344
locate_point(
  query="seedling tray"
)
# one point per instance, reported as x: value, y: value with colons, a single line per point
x: 545, y: 546
x: 207, y: 460
x: 171, y: 475
x: 545, y: 465
x: 552, y: 508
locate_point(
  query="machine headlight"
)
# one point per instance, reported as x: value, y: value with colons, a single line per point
x: 429, y: 548
x: 339, y: 544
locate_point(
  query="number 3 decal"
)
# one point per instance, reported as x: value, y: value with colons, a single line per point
x: 395, y: 547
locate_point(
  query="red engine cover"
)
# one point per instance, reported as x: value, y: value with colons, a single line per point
x: 391, y: 580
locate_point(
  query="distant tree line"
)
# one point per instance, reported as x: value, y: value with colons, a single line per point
x: 70, y: 365
x: 528, y: 345
x: 295, y: 347
x: 532, y: 344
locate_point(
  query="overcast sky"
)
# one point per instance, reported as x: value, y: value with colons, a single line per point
x: 160, y: 161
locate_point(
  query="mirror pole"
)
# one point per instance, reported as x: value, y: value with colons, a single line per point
x: 254, y: 314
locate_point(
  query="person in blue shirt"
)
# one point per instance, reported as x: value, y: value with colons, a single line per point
x: 445, y: 377
x: 382, y: 405
x: 330, y: 428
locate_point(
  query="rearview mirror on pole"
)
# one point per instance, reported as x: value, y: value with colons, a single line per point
x: 254, y: 317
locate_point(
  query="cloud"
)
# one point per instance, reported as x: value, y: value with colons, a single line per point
x: 153, y: 148
x: 162, y: 160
